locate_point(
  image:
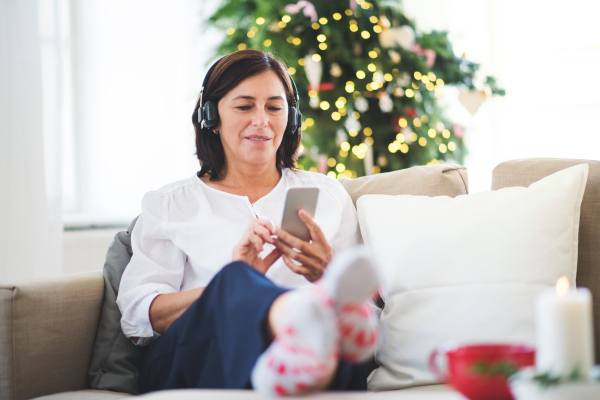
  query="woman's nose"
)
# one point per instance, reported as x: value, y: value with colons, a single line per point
x: 260, y: 118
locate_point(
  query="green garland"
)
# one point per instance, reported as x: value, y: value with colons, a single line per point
x: 503, y: 368
x: 357, y: 72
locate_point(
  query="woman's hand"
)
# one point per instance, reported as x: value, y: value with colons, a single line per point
x: 312, y: 256
x: 258, y: 233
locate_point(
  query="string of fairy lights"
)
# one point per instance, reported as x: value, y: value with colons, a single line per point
x: 378, y: 79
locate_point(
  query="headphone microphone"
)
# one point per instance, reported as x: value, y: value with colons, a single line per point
x: 208, y: 114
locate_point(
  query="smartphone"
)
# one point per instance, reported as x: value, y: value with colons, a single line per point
x: 299, y: 198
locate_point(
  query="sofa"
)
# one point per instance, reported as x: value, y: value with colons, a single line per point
x: 49, y: 326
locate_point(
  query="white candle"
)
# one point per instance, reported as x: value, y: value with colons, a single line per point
x: 564, y: 330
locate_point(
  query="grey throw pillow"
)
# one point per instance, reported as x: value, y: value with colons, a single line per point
x: 115, y: 359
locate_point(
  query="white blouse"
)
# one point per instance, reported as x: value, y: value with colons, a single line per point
x: 187, y: 231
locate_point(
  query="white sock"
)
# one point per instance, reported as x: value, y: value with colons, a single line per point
x: 351, y: 281
x: 306, y: 346
x: 358, y: 332
x: 307, y: 343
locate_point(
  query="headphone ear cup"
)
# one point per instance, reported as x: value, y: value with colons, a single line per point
x: 210, y: 115
x: 292, y: 125
x: 298, y: 121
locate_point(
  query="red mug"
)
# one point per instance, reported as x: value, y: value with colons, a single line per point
x: 480, y: 372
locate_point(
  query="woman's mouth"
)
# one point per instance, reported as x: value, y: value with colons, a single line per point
x: 258, y: 138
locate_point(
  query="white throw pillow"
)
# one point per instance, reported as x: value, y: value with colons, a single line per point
x: 467, y: 269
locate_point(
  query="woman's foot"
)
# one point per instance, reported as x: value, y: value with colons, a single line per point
x: 307, y: 324
x: 305, y: 351
x: 358, y: 332
x: 351, y: 281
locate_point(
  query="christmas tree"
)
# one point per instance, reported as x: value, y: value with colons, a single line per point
x: 369, y: 85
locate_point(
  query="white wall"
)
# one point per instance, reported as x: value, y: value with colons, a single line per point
x: 85, y: 250
x: 30, y: 145
x: 545, y: 54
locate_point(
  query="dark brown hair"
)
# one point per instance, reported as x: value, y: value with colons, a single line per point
x: 230, y: 71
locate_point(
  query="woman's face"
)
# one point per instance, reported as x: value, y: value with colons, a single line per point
x: 253, y: 118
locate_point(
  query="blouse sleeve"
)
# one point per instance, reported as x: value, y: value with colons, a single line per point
x: 156, y: 267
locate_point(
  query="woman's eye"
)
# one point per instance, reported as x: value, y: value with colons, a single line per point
x: 275, y: 108
x: 243, y: 108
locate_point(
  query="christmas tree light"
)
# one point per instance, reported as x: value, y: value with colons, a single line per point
x: 368, y: 81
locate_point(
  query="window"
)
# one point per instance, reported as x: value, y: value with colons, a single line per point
x: 137, y: 70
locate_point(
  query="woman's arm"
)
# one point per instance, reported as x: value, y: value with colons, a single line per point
x: 156, y: 267
x: 166, y: 308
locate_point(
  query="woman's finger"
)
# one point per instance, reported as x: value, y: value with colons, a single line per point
x: 293, y: 254
x: 256, y: 242
x: 315, y: 230
x: 293, y: 241
x: 299, y: 269
x: 266, y: 223
x: 272, y: 257
x: 263, y: 232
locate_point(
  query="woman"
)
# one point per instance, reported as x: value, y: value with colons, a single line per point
x: 208, y: 284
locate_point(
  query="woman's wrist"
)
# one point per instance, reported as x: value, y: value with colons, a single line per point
x: 166, y: 308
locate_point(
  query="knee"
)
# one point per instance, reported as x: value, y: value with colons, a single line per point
x: 239, y: 264
x: 236, y: 265
x: 238, y: 268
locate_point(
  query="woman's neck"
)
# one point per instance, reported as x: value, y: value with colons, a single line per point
x: 253, y: 183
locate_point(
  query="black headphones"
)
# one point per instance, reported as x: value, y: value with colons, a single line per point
x: 208, y: 114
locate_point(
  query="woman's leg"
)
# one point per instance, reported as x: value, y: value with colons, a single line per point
x: 216, y: 341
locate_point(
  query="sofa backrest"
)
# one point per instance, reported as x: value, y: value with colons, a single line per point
x: 527, y: 171
x: 431, y: 180
x: 47, y: 330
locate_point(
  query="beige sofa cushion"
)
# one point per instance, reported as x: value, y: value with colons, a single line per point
x: 86, y: 395
x: 47, y: 332
x: 431, y: 392
x: 524, y: 173
x: 431, y: 180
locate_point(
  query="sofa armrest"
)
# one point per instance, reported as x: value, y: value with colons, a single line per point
x: 47, y: 330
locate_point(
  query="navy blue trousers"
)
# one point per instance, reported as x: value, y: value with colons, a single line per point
x: 216, y: 341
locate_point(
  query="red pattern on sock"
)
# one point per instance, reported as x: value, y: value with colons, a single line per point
x: 280, y: 390
x: 281, y: 369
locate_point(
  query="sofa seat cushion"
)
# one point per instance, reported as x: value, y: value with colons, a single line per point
x: 85, y: 395
x: 432, y: 392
